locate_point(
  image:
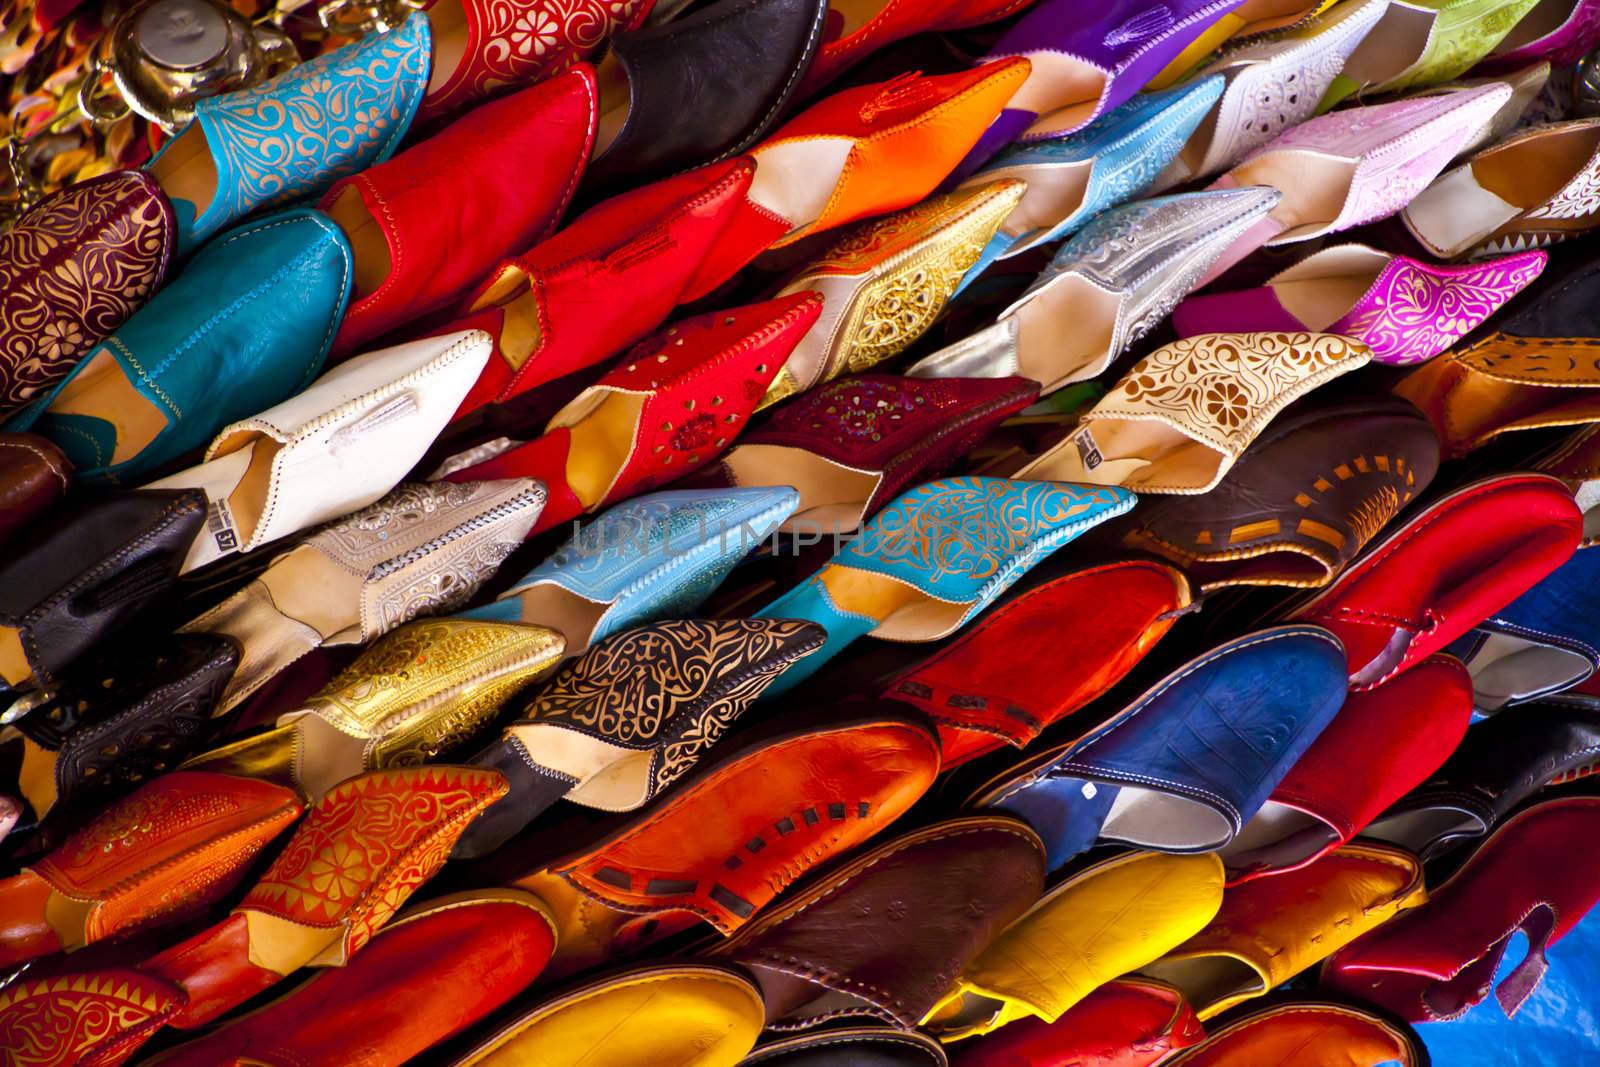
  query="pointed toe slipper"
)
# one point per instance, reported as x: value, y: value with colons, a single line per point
x: 633, y: 715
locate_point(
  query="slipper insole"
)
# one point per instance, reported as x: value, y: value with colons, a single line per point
x: 1054, y: 193
x: 1064, y: 329
x: 576, y: 617
x: 186, y: 171
x: 448, y: 21
x: 903, y: 612
x: 1314, y: 186
x: 847, y: 16
x: 1546, y: 17
x: 102, y: 391
x: 796, y: 179
x: 1508, y: 668
x: 616, y: 103
x: 832, y: 496
x: 1395, y: 45
x: 603, y: 438
x: 1206, y: 980
x: 1064, y: 92
x: 368, y: 243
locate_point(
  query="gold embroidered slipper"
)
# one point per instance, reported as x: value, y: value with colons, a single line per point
x: 1185, y: 413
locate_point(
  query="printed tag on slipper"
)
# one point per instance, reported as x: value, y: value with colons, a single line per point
x: 219, y: 524
x: 1088, y: 451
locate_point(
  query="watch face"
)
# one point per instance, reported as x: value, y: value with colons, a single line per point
x: 181, y: 34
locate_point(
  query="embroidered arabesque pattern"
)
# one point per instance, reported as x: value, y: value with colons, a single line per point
x: 521, y: 43
x: 47, y: 1022
x: 339, y: 113
x: 953, y: 536
x: 72, y: 271
x: 368, y: 845
x: 428, y: 684
x: 1220, y: 387
x: 1413, y: 314
x: 634, y: 688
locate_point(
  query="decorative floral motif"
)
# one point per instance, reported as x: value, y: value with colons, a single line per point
x: 1577, y: 199
x: 968, y: 539
x: 294, y: 135
x: 908, y: 265
x: 177, y: 843
x: 71, y: 272
x: 519, y: 42
x: 430, y: 684
x: 82, y: 1018
x: 674, y: 686
x: 1464, y: 31
x: 1415, y: 311
x: 1222, y: 388
x: 428, y: 547
x: 367, y: 846
x: 1277, y: 83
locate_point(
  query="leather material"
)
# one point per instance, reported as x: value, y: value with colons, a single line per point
x: 707, y: 85
x: 1500, y: 764
x: 657, y: 556
x: 999, y: 682
x: 1459, y: 34
x: 602, y: 283
x: 175, y: 846
x: 1272, y: 84
x: 1567, y: 42
x: 860, y: 1046
x: 1272, y: 929
x: 1122, y: 151
x: 1557, y: 630
x: 1444, y: 571
x: 424, y: 549
x: 1185, y: 766
x: 126, y: 716
x: 1309, y: 1034
x: 485, y: 946
x: 1560, y: 211
x: 917, y: 542
x: 94, y: 1018
x: 1436, y: 962
x: 116, y: 229
x: 1078, y: 937
x: 247, y: 324
x: 34, y: 474
x: 1530, y: 372
x: 899, y: 140
x: 634, y: 714
x: 1148, y: 255
x: 81, y: 578
x: 1247, y: 378
x: 1304, y: 499
x: 688, y: 1014
x: 1128, y: 1022
x: 333, y: 449
x: 681, y: 398
x: 526, y: 43
x: 1383, y: 742
x: 416, y: 692
x: 1392, y: 152
x: 1412, y: 312
x: 1125, y: 43
x: 898, y: 428
x: 293, y: 135
x: 878, y: 938
x: 894, y: 21
x: 885, y: 282
x: 361, y: 852
x: 741, y: 827
x: 450, y: 208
